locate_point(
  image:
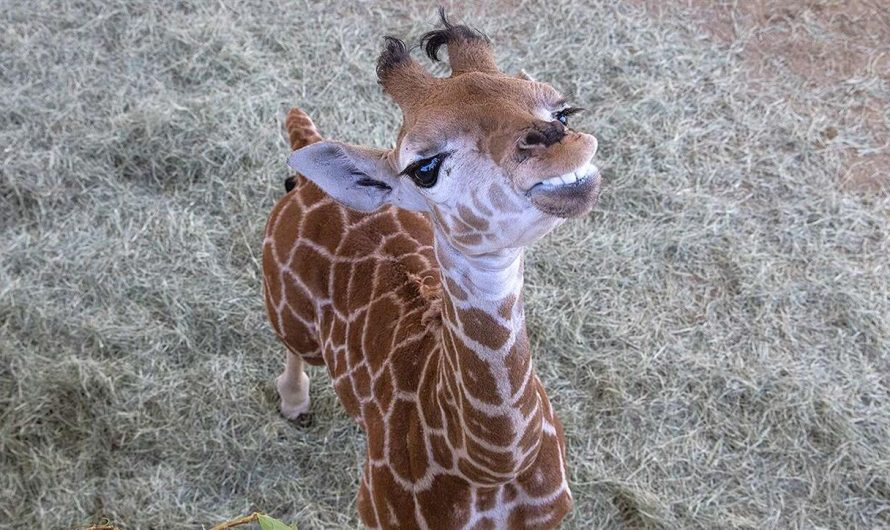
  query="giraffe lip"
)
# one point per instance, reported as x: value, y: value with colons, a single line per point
x: 574, y: 179
x: 554, y: 184
x: 567, y: 199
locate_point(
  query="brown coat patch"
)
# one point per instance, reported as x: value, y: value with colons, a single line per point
x: 482, y: 328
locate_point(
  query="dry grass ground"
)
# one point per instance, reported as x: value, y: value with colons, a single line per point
x: 716, y: 336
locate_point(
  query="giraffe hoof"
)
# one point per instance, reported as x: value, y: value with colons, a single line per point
x: 294, y: 397
x: 294, y: 412
x: 302, y: 421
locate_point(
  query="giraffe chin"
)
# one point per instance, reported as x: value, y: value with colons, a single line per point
x: 567, y: 200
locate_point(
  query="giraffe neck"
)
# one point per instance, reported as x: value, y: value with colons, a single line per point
x: 487, y: 388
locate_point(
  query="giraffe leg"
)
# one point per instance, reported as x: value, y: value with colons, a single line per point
x: 293, y: 388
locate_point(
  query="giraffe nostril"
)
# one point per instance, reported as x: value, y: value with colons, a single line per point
x: 533, y: 139
x: 543, y: 134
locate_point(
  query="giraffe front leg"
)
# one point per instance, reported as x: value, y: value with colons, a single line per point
x: 293, y: 388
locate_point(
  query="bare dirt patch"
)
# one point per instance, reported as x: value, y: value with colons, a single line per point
x: 839, y: 51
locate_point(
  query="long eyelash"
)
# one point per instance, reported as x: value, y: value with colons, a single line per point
x: 571, y: 110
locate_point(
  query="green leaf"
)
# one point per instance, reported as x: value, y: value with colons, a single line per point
x: 268, y: 523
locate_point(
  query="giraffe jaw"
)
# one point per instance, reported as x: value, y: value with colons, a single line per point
x: 570, y: 195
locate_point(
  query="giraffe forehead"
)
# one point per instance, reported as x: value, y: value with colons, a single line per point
x: 477, y: 104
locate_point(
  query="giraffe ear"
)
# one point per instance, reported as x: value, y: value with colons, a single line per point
x: 358, y: 177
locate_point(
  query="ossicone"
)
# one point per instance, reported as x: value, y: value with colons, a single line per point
x: 403, y: 78
x: 395, y: 54
x: 469, y: 50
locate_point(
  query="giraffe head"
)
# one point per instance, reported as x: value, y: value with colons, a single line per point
x: 490, y: 157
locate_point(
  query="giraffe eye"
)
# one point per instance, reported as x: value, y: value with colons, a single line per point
x: 425, y: 172
x: 563, y: 115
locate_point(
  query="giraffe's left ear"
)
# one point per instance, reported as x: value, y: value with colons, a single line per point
x: 358, y: 177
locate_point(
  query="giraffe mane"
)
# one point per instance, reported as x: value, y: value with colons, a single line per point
x: 432, y: 293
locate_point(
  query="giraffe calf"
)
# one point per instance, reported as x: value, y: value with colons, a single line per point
x: 401, y: 271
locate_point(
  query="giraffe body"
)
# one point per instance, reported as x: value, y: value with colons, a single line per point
x: 414, y: 303
x: 359, y: 293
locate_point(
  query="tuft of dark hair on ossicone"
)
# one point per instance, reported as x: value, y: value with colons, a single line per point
x: 435, y: 39
x: 394, y: 53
